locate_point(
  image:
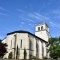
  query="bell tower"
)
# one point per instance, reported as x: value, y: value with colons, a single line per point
x: 42, y: 31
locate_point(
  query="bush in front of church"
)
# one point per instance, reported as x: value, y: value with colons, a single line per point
x: 10, y: 55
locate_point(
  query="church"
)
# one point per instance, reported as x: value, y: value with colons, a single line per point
x: 34, y: 44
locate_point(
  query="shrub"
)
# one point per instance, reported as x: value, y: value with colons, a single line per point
x: 45, y: 57
x: 10, y: 55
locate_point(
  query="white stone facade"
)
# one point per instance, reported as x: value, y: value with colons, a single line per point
x: 34, y: 45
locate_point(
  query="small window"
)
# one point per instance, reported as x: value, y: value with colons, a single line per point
x: 11, y: 44
x: 21, y: 43
x: 38, y: 28
x: 41, y: 27
x: 37, y: 47
x: 30, y: 45
x: 42, y: 50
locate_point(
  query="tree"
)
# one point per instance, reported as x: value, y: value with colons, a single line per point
x: 54, y: 47
x: 25, y: 54
x: 10, y: 55
x: 3, y: 49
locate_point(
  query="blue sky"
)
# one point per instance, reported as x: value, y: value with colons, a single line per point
x: 24, y: 14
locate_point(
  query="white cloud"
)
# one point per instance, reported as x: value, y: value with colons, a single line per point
x: 38, y: 16
x: 56, y: 12
x: 30, y: 20
x: 54, y: 24
x: 27, y: 19
x: 20, y: 10
x: 1, y: 37
x: 33, y: 16
x: 20, y: 25
x: 1, y: 8
x: 22, y: 22
x: 31, y: 25
x: 3, y: 14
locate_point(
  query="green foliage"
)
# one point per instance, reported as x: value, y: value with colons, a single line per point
x: 34, y: 57
x: 25, y: 53
x: 10, y: 55
x: 54, y: 47
x: 3, y: 49
x: 45, y: 57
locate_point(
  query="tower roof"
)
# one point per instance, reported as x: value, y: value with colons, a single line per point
x: 42, y: 24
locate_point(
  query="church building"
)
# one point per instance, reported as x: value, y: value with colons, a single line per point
x: 33, y: 44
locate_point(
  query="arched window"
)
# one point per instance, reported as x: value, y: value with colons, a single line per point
x: 37, y: 47
x: 42, y: 50
x: 30, y: 48
x: 41, y: 27
x: 11, y: 44
x: 30, y: 45
x: 37, y: 50
x: 21, y: 43
x: 38, y: 28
